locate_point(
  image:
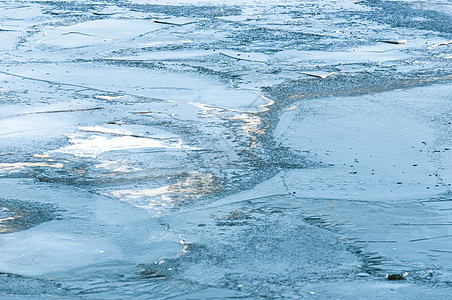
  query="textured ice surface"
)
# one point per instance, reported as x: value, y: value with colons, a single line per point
x: 396, y: 142
x: 396, y: 167
x: 192, y: 149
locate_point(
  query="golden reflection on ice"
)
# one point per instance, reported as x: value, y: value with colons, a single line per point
x: 265, y: 107
x: 252, y: 121
x: 4, y: 227
x: 251, y: 125
x: 195, y: 186
x: 8, y: 218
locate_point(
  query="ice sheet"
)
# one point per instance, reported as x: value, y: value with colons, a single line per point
x: 203, y: 149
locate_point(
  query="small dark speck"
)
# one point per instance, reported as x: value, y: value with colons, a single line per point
x: 395, y: 277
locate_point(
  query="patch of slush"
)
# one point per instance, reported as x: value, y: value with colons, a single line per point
x: 286, y: 252
x: 416, y: 15
x: 13, y: 286
x: 18, y: 215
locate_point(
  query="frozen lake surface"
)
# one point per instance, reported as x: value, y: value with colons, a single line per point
x: 205, y: 150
